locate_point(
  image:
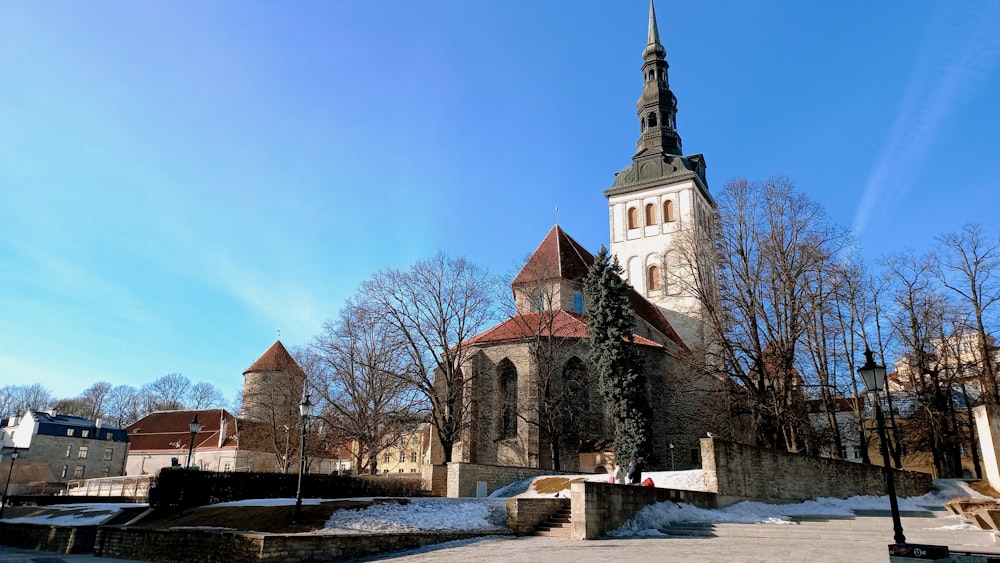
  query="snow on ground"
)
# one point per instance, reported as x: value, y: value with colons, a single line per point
x: 488, y: 514
x: 422, y: 514
x: 649, y: 520
x: 82, y: 514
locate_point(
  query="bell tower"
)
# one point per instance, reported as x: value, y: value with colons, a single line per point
x: 659, y: 206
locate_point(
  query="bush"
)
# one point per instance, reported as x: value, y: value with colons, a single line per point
x: 182, y: 488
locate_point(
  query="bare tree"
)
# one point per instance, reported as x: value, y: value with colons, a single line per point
x: 772, y: 247
x: 22, y: 398
x: 204, y: 395
x: 969, y: 263
x: 360, y: 370
x: 166, y: 393
x: 435, y: 306
x: 124, y: 405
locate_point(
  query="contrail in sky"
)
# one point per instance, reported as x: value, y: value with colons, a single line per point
x: 961, y: 50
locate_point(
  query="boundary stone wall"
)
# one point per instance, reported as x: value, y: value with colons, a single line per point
x: 741, y: 472
x: 462, y: 477
x: 61, y: 539
x: 203, y: 546
x: 601, y: 507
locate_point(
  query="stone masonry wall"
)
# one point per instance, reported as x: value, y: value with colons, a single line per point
x: 600, y: 507
x: 463, y: 477
x: 525, y: 514
x: 202, y: 546
x: 61, y: 539
x: 741, y: 472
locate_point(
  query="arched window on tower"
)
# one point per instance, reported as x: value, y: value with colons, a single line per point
x: 642, y: 124
x: 651, y: 119
x: 651, y: 76
x: 650, y: 214
x: 653, y: 280
x: 507, y: 383
x: 668, y: 211
x: 633, y: 218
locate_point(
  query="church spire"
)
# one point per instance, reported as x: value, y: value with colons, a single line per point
x: 657, y: 107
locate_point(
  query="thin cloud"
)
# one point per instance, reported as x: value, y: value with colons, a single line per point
x: 961, y: 52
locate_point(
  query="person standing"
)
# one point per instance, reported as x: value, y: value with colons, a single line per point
x: 634, y: 474
x: 619, y: 475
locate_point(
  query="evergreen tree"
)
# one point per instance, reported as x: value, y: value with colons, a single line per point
x: 621, y: 379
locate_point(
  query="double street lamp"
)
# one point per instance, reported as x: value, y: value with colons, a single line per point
x: 874, y: 377
x: 305, y: 411
x: 13, y: 457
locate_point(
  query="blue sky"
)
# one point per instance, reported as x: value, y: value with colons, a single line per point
x: 181, y: 180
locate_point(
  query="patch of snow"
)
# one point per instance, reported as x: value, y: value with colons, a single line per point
x: 422, y: 514
x: 80, y: 514
x: 269, y: 502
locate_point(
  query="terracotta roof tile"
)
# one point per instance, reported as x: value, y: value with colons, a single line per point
x: 559, y: 256
x: 170, y: 430
x: 276, y: 358
x: 561, y: 324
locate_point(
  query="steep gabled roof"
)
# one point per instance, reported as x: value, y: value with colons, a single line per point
x: 557, y: 257
x: 276, y: 358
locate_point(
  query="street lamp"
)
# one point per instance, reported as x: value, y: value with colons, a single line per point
x: 874, y: 378
x: 13, y: 456
x: 305, y: 411
x: 671, y: 456
x: 194, y: 426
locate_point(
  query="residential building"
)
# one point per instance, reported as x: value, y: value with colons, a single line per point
x: 73, y: 447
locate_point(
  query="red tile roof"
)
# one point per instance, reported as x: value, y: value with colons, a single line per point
x: 558, y: 324
x: 170, y: 430
x: 276, y: 358
x: 557, y: 257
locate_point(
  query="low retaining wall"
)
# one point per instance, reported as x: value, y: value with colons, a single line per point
x: 741, y: 472
x: 61, y: 539
x: 463, y: 477
x: 202, y: 546
x: 525, y: 514
x: 601, y: 507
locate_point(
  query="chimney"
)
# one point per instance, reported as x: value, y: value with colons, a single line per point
x: 97, y: 424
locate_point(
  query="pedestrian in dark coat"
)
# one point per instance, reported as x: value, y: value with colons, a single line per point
x: 634, y: 474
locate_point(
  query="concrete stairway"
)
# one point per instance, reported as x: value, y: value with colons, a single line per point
x: 558, y: 525
x: 925, y: 527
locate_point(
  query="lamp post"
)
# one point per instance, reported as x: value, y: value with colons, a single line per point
x: 874, y: 378
x: 194, y: 426
x: 671, y: 456
x: 13, y: 457
x: 305, y: 411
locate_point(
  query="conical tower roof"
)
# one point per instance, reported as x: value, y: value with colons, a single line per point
x: 276, y: 358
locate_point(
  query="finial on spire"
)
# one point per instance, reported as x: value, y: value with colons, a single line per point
x: 654, y: 34
x: 653, y: 46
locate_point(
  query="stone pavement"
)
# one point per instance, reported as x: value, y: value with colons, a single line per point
x: 860, y: 540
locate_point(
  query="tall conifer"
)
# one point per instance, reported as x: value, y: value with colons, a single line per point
x: 621, y: 379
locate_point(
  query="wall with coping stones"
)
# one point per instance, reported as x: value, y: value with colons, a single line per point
x: 741, y: 472
x: 463, y: 477
x: 197, y: 546
x: 598, y: 508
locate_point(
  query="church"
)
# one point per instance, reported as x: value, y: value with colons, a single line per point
x: 533, y: 397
